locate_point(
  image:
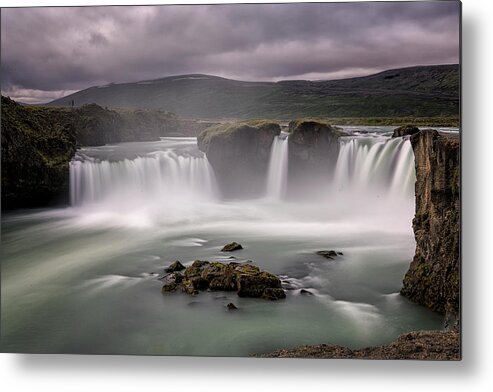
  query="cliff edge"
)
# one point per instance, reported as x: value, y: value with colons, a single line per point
x: 433, y: 278
x: 240, y: 154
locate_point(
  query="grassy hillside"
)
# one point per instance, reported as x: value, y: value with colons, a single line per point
x: 426, y: 91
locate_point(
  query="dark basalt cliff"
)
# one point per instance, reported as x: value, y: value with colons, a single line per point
x: 240, y: 154
x: 433, y: 279
x: 39, y: 142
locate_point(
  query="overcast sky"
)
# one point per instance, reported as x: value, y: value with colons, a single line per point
x: 50, y: 52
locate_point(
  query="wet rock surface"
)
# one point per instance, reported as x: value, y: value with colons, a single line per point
x: 329, y: 254
x: 231, y: 247
x: 244, y: 278
x: 405, y: 130
x: 175, y: 266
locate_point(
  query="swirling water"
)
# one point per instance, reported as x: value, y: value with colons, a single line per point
x: 83, y: 279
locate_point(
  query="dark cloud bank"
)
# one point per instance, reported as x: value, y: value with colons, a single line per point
x: 49, y: 52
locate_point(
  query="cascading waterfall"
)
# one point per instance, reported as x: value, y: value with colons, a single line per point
x: 157, y: 176
x: 382, y: 166
x: 365, y: 166
x: 277, y: 175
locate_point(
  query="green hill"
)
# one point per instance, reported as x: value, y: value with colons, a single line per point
x: 417, y: 91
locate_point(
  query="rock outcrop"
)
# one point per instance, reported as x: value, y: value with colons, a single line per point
x: 246, y: 279
x: 329, y: 254
x: 35, y: 156
x: 240, y: 154
x: 405, y: 130
x: 433, y: 278
x: 423, y: 345
x: 231, y: 247
x: 313, y: 152
x: 174, y: 267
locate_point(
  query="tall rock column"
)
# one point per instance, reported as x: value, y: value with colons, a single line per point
x: 239, y: 154
x: 313, y: 152
x: 433, y: 278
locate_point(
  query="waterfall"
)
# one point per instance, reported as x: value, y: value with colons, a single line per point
x: 177, y: 174
x: 277, y: 174
x: 155, y: 177
x: 385, y: 166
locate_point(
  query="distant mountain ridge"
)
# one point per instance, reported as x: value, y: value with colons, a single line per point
x: 415, y: 91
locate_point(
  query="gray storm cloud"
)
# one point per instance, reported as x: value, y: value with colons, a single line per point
x: 49, y: 52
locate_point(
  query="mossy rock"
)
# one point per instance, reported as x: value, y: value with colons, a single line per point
x: 246, y: 279
x: 254, y: 285
x: 239, y: 153
x: 405, y: 130
x: 175, y: 266
x: 231, y: 247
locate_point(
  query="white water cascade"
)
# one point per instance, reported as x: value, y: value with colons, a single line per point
x: 174, y: 173
x: 277, y: 175
x: 383, y: 166
x: 155, y: 177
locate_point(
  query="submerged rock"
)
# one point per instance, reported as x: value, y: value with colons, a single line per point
x: 246, y: 279
x: 231, y: 306
x: 329, y: 254
x: 175, y: 266
x: 231, y: 247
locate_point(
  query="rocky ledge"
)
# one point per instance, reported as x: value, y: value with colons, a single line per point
x: 427, y: 345
x: 433, y: 279
x: 313, y: 148
x: 405, y: 130
x: 239, y: 154
x: 244, y: 278
x: 35, y: 154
